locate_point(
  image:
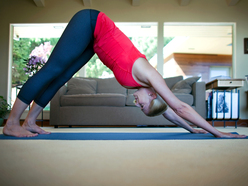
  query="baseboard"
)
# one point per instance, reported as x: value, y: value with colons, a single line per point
x: 45, y: 123
x: 240, y: 123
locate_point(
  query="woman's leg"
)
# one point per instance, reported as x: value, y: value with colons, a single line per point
x: 12, y: 127
x: 30, y: 121
x: 75, y: 39
x: 44, y: 98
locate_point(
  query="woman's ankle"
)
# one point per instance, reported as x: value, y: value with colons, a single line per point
x: 11, y: 121
x: 29, y: 121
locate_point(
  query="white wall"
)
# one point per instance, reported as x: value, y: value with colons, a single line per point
x: 25, y: 11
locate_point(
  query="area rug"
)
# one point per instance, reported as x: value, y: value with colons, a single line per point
x: 119, y: 136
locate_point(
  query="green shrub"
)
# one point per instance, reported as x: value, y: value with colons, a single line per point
x: 4, y: 107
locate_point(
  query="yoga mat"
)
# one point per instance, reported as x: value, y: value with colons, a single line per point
x: 118, y: 136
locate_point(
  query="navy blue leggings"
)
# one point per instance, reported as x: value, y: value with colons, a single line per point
x: 73, y: 50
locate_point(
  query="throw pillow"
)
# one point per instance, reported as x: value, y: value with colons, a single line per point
x: 81, y: 86
x: 171, y: 81
x: 184, y: 86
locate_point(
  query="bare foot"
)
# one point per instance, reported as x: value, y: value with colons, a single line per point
x: 17, y: 131
x: 32, y: 127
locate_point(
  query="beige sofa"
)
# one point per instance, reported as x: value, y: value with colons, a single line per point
x: 92, y: 101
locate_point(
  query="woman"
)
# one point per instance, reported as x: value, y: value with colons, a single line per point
x: 89, y: 32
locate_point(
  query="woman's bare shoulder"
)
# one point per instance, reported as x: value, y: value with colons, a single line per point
x: 142, y: 71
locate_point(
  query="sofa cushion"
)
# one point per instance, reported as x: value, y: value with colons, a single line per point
x: 116, y: 100
x: 171, y: 81
x: 186, y: 98
x: 184, y: 86
x: 130, y: 99
x: 131, y: 91
x: 81, y: 86
x: 110, y: 85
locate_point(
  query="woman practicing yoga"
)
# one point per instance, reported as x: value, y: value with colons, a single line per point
x: 90, y: 32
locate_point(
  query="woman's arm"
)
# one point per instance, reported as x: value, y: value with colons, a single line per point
x: 146, y: 75
x: 174, y: 118
x: 184, y: 110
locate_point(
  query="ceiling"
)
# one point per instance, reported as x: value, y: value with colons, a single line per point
x: 200, y: 37
x: 88, y: 3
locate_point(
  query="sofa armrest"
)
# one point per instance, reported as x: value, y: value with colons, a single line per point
x: 198, y: 91
x: 55, y: 106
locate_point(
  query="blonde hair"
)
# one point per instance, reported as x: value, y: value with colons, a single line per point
x: 157, y: 107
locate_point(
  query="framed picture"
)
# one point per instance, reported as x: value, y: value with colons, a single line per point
x: 246, y: 45
x: 225, y: 106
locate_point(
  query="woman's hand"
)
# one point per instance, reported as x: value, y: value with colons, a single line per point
x: 195, y: 131
x: 223, y: 134
x: 230, y: 135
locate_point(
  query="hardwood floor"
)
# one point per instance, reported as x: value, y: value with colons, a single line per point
x: 241, y: 123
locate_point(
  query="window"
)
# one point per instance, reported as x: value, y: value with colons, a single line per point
x: 196, y: 47
x: 29, y: 40
x: 219, y: 72
x: 143, y: 36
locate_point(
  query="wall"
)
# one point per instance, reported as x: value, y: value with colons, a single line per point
x: 25, y: 11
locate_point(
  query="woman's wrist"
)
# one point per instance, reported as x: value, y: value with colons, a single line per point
x: 192, y: 130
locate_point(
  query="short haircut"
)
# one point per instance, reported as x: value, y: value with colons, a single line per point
x: 157, y: 107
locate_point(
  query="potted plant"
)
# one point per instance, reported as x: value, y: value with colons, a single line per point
x: 4, y: 109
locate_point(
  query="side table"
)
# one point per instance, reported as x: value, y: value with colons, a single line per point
x: 223, y: 87
x: 225, y: 84
x: 246, y: 98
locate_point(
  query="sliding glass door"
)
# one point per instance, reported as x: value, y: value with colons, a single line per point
x: 198, y: 49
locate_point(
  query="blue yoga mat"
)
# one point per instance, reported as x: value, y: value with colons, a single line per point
x: 118, y: 136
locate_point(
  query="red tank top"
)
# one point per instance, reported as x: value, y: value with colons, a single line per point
x: 115, y: 50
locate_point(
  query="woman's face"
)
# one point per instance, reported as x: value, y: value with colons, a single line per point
x: 143, y: 97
